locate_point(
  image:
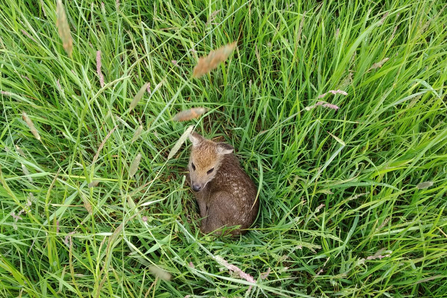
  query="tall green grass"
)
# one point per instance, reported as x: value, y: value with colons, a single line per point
x: 353, y: 200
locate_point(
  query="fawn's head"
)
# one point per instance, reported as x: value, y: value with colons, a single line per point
x: 205, y: 160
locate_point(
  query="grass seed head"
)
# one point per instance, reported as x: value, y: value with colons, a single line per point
x: 333, y: 92
x: 180, y: 142
x: 87, y: 204
x: 134, y: 166
x: 27, y: 173
x: 94, y: 183
x: 424, y: 185
x: 63, y: 28
x: 137, y: 133
x: 160, y: 273
x: 20, y: 151
x: 138, y: 97
x: 31, y: 126
x: 210, y: 62
x: 98, y: 68
x: 189, y: 114
x: 379, y: 64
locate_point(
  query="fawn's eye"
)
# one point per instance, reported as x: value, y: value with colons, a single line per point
x: 210, y: 171
x: 193, y: 166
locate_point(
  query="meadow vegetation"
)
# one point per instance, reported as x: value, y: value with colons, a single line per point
x: 336, y: 109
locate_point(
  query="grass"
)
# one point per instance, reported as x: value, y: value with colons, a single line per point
x: 343, y: 211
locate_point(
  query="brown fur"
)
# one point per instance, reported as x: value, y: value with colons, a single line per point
x: 226, y: 195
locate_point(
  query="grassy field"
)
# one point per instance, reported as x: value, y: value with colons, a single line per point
x: 337, y: 110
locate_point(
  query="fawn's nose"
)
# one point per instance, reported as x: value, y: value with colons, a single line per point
x: 196, y: 187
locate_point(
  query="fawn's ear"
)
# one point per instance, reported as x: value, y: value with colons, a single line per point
x: 195, y: 139
x: 224, y: 148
